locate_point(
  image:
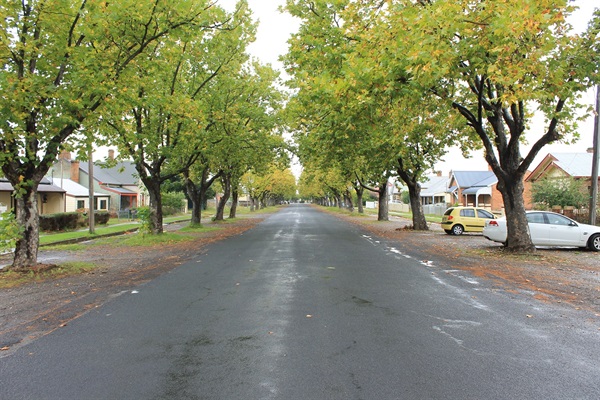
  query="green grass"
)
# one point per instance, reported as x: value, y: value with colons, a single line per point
x: 114, y: 226
x: 50, y: 238
x: 140, y: 240
x: 198, y: 229
x: 66, y: 247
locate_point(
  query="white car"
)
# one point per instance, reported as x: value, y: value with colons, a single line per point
x: 549, y: 229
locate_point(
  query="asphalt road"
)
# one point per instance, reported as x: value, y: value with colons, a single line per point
x: 306, y: 306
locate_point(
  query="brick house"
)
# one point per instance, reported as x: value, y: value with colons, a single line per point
x: 479, y: 189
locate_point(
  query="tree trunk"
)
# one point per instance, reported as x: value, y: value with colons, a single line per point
x: 348, y: 200
x: 226, y: 181
x: 156, y: 215
x: 26, y: 247
x: 234, y: 203
x: 418, y: 217
x: 383, y: 213
x: 193, y: 192
x: 359, y: 197
x: 197, y: 193
x: 518, y: 239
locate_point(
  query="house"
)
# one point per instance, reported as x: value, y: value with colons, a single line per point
x: 119, y: 182
x: 51, y: 198
x: 561, y: 165
x: 479, y: 189
x: 78, y: 196
x: 475, y: 188
x: 434, y: 190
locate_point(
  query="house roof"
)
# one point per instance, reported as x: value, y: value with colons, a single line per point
x: 123, y: 173
x: 467, y: 179
x: 74, y: 189
x: 120, y: 190
x: 574, y: 164
x: 45, y: 186
x: 435, y: 185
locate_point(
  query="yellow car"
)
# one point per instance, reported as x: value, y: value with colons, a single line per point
x: 457, y: 220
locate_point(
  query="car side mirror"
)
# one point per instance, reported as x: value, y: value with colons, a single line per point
x: 573, y: 224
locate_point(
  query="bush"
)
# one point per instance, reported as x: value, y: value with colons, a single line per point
x: 560, y: 192
x: 101, y: 217
x: 173, y: 203
x: 70, y: 221
x: 144, y: 214
x: 10, y: 231
x: 60, y: 221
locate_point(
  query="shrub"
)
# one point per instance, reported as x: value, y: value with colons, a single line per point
x: 60, y: 221
x: 9, y: 232
x: 560, y: 192
x: 101, y: 217
x: 144, y: 213
x: 172, y: 203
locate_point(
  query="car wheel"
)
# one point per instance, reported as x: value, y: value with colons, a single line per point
x: 594, y: 242
x: 457, y: 229
x: 448, y: 231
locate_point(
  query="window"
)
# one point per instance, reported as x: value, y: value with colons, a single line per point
x: 103, y: 205
x: 485, y: 214
x: 80, y: 204
x: 536, y: 218
x: 467, y: 212
x: 558, y: 220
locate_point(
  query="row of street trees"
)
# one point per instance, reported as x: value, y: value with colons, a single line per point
x: 169, y: 83
x: 385, y: 87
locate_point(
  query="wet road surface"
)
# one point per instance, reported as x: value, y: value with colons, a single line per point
x: 306, y: 306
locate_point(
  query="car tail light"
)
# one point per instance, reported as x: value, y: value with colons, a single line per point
x: 492, y: 223
x: 450, y: 217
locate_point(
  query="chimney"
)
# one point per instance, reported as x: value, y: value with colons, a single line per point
x: 75, y: 171
x: 111, y: 155
x: 65, y: 155
x: 590, y: 150
x: 439, y: 173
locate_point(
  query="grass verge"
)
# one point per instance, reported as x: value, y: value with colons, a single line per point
x: 11, y: 279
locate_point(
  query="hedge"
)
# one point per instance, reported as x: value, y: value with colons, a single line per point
x: 70, y: 221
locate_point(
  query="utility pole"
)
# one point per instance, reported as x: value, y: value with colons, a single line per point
x: 91, y: 192
x: 594, y: 194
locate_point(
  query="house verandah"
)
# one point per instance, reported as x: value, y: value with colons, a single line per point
x: 51, y: 198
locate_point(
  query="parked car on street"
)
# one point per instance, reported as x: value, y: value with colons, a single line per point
x: 549, y: 229
x: 457, y: 220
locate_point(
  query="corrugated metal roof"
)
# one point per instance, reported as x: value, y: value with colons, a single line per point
x: 74, y: 188
x: 119, y: 190
x: 466, y: 179
x: 124, y: 173
x: 575, y: 164
x: 45, y: 186
x: 434, y: 185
